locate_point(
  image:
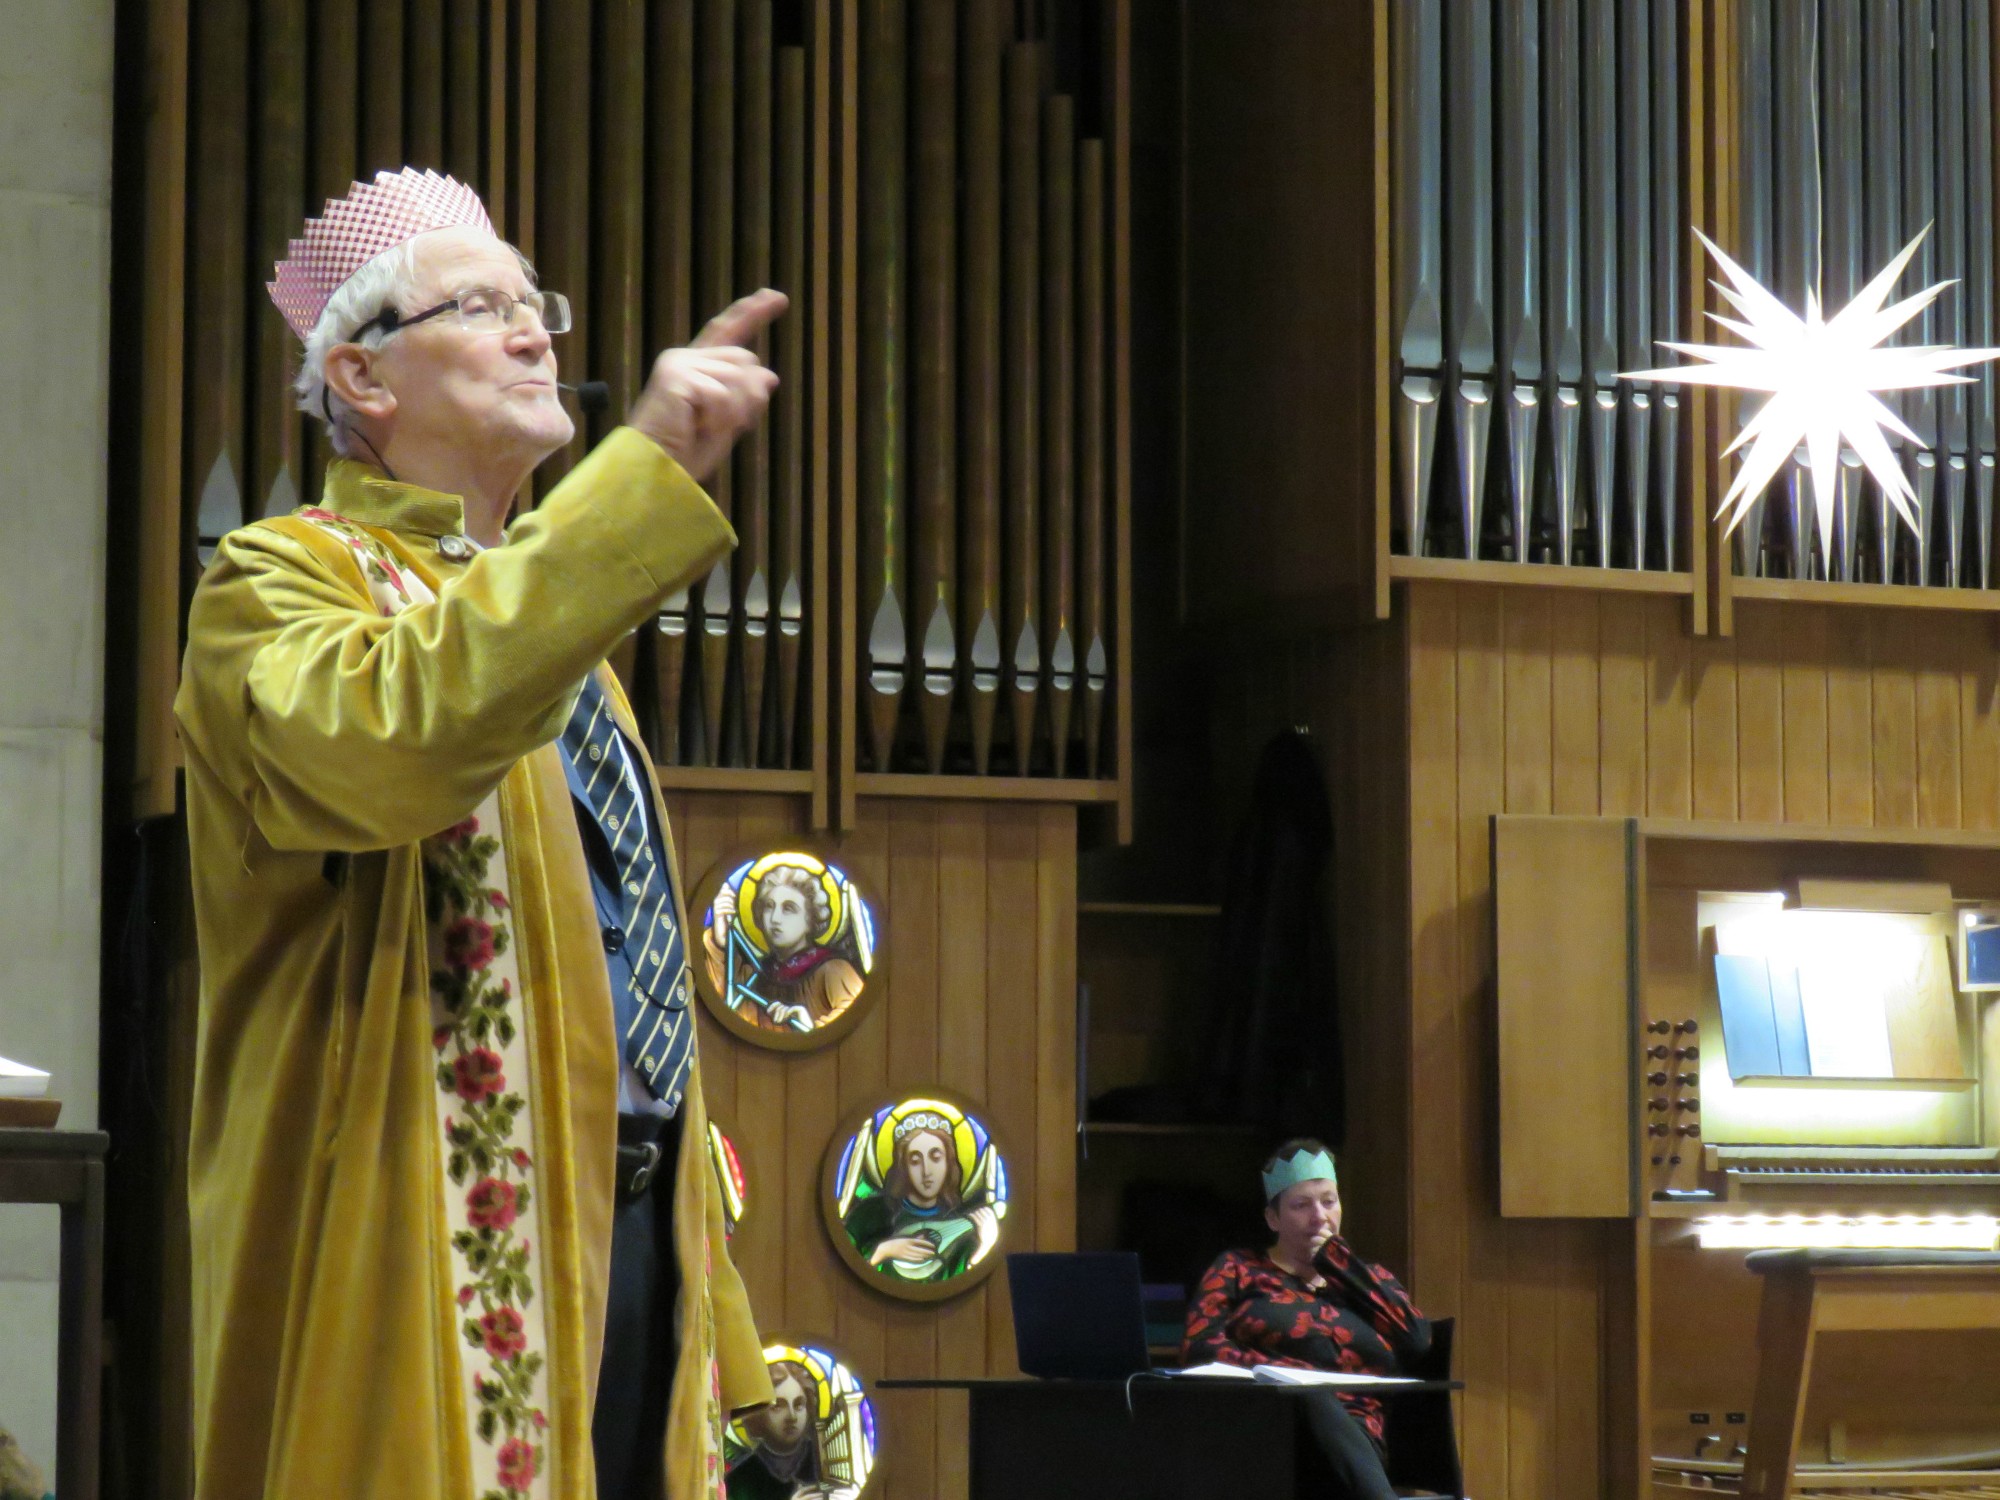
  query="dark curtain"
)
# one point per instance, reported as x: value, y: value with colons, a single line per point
x: 1273, y: 1057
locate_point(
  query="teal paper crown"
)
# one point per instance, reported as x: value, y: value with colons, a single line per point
x: 1304, y: 1166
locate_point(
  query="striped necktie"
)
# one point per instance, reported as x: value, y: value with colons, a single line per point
x: 658, y: 1032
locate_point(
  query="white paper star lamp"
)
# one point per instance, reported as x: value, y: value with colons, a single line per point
x: 1822, y: 375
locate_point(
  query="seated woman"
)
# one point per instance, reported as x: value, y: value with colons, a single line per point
x: 1310, y: 1302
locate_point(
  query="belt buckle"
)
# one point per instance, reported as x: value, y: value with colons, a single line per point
x: 642, y: 1176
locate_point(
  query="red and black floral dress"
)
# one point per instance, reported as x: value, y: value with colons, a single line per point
x: 1250, y: 1311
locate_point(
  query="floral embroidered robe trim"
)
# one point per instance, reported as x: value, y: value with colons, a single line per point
x: 484, y: 1111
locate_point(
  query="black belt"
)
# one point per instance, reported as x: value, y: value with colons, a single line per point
x: 639, y: 1154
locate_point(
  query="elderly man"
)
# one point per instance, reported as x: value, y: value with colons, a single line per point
x: 454, y: 1230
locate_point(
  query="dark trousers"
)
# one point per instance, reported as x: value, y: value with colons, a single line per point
x: 629, y: 1428
x: 1353, y: 1464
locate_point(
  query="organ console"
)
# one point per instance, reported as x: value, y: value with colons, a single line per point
x: 1733, y: 1038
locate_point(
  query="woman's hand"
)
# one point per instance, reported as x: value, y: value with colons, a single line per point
x: 910, y: 1249
x: 986, y: 1226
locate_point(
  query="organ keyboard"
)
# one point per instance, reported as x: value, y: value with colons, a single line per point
x: 1748, y: 1170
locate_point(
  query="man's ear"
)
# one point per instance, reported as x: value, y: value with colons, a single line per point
x: 351, y: 375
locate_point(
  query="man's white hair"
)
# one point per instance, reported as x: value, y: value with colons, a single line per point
x: 389, y: 280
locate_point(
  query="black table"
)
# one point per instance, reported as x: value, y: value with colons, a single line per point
x: 1181, y: 1439
x: 66, y: 1167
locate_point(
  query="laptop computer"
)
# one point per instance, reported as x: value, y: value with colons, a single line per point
x: 1078, y: 1316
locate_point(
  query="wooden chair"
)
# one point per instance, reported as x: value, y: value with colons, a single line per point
x: 1810, y: 1292
x: 1418, y: 1432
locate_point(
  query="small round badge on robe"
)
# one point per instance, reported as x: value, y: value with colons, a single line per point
x: 914, y: 1196
x: 454, y: 547
x: 817, y: 1438
x: 790, y: 947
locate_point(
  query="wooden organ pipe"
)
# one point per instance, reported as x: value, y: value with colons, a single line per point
x: 217, y: 269
x: 753, y: 451
x: 980, y: 609
x: 1092, y: 412
x: 715, y: 272
x: 332, y: 162
x: 381, y: 85
x: 460, y: 89
x: 788, y: 417
x: 423, y: 124
x: 1059, y: 415
x: 883, y: 235
x: 1022, y: 413
x: 933, y: 397
x: 670, y: 50
x: 272, y: 472
x: 563, y: 195
x: 618, y: 145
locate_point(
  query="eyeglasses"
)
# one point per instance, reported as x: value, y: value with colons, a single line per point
x: 481, y: 309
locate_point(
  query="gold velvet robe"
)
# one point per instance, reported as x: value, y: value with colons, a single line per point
x: 329, y: 734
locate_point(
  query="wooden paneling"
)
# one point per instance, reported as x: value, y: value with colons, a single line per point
x: 978, y: 903
x: 1561, y: 894
x: 1518, y: 702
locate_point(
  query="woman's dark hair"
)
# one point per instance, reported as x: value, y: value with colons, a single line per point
x: 1284, y: 1153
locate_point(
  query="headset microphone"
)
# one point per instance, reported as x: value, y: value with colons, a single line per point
x: 592, y: 396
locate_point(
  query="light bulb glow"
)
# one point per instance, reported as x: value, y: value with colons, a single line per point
x: 1862, y: 1232
x: 1822, y: 376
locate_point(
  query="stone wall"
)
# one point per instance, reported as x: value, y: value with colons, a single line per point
x: 55, y: 229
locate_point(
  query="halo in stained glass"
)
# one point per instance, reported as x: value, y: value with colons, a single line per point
x: 730, y: 1177
x: 817, y: 1438
x: 915, y: 1197
x: 790, y: 947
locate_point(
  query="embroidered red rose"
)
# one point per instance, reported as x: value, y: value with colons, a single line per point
x: 490, y: 1204
x: 441, y: 1038
x: 504, y: 1333
x: 522, y: 1159
x: 465, y: 1295
x: 517, y: 1464
x: 499, y: 901
x: 541, y: 1422
x: 477, y: 1075
x: 459, y: 833
x: 468, y: 944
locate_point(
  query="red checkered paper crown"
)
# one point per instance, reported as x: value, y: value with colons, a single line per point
x: 373, y: 217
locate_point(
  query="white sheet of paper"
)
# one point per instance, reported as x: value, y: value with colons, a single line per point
x: 1227, y: 1372
x: 1287, y: 1375
x: 1847, y: 962
x: 19, y: 1081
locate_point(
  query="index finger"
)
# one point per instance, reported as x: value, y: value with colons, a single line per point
x: 742, y: 320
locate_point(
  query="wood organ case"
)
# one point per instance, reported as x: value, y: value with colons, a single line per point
x: 1619, y: 1097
